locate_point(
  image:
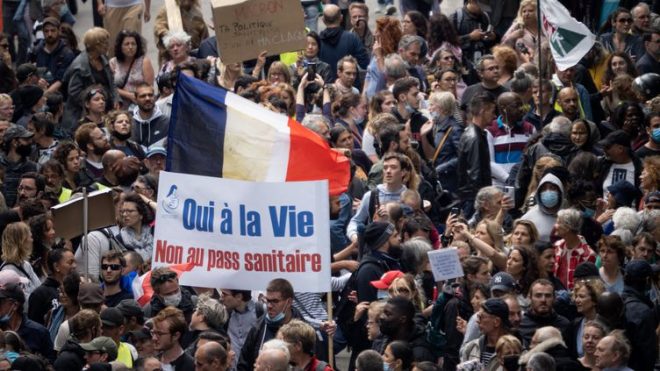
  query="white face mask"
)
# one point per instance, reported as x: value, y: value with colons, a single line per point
x: 172, y: 300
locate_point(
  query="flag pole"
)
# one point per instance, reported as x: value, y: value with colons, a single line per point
x: 538, y: 51
x: 331, y: 351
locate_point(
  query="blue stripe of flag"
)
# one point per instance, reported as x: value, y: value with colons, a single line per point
x: 195, y: 142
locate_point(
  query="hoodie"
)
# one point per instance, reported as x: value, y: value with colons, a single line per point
x: 147, y: 132
x: 543, y: 217
x: 337, y: 43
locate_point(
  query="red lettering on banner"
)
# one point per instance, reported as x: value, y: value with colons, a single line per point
x: 278, y: 261
x: 169, y: 254
x: 255, y: 10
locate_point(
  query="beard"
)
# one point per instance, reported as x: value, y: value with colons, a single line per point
x: 24, y: 150
x: 99, y: 151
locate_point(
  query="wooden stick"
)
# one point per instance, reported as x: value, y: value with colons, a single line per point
x: 331, y: 352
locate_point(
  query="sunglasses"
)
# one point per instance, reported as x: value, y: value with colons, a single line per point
x: 166, y: 277
x: 93, y: 92
x: 113, y: 267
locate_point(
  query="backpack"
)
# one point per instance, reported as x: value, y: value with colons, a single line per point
x: 116, y: 242
x: 345, y: 308
x: 25, y: 274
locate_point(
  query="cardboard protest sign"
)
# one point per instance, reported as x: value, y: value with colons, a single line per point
x: 445, y: 264
x: 68, y: 216
x: 241, y: 235
x: 245, y: 28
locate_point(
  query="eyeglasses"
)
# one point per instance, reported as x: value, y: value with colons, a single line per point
x: 113, y: 267
x: 4, y: 45
x: 625, y: 20
x: 166, y: 277
x: 127, y: 211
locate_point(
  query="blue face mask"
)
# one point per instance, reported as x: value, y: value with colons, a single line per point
x: 279, y: 318
x: 588, y: 213
x: 655, y: 135
x: 4, y: 320
x: 358, y: 120
x: 549, y: 198
x: 409, y: 108
x: 386, y: 366
x: 382, y: 294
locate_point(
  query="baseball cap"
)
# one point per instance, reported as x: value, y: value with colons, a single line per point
x: 156, y: 150
x: 112, y: 317
x: 497, y: 307
x: 16, y: 131
x: 586, y: 270
x: 624, y: 192
x: 616, y: 137
x: 141, y: 334
x: 639, y: 269
x: 130, y: 308
x: 12, y: 291
x: 102, y: 344
x: 51, y: 21
x: 502, y: 281
x: 90, y: 294
x: 386, y: 280
x: 24, y: 71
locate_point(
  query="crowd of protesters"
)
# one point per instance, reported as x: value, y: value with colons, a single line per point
x: 462, y: 133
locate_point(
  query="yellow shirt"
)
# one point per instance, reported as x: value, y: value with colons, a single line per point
x: 124, y: 355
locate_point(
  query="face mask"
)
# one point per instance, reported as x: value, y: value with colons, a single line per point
x: 549, y: 198
x: 172, y: 300
x: 4, y: 320
x: 358, y: 120
x: 510, y: 363
x: 655, y: 135
x: 279, y: 317
x: 588, y: 213
x: 409, y: 108
x: 386, y: 367
x: 435, y: 115
x: 382, y: 294
x: 24, y: 150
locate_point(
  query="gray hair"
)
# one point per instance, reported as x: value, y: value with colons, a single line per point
x: 408, y: 40
x: 484, y: 195
x: 546, y: 333
x: 649, y: 221
x: 215, y: 314
x: 395, y: 66
x: 313, y: 122
x: 571, y: 219
x: 415, y: 252
x: 444, y: 100
x: 172, y: 36
x: 620, y: 344
x: 560, y: 125
x: 277, y: 346
x: 369, y: 360
x: 625, y: 236
x: 480, y: 62
x: 541, y: 362
x: 639, y: 6
x: 626, y: 218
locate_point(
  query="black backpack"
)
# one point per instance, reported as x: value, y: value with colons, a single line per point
x: 345, y: 308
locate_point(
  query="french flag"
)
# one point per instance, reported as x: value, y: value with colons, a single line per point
x: 214, y: 132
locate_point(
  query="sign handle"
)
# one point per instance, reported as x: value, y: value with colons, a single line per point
x: 331, y: 353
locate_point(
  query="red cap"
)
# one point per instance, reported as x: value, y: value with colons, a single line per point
x: 386, y: 280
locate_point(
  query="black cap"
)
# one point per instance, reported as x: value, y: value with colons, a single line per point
x: 141, y: 334
x: 16, y: 131
x: 624, y: 192
x: 376, y: 234
x: 112, y: 317
x: 130, y: 308
x: 502, y: 281
x: 24, y: 71
x: 586, y: 270
x: 51, y: 21
x: 616, y: 137
x: 639, y: 269
x: 497, y: 307
x: 12, y: 291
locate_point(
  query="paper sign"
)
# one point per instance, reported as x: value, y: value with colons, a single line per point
x: 445, y: 264
x: 245, y: 28
x: 241, y: 235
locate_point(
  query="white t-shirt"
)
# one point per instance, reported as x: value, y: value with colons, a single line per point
x: 617, y: 173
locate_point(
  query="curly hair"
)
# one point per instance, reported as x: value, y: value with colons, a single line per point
x: 595, y: 288
x: 652, y: 167
x: 63, y: 150
x: 145, y: 211
x: 507, y: 56
x: 139, y: 50
x: 609, y: 73
x: 112, y: 116
x: 390, y: 32
x: 441, y: 30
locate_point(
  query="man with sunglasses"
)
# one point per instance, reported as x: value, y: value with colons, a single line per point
x: 280, y: 311
x: 111, y: 268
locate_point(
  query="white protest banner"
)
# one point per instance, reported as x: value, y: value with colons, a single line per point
x: 569, y: 39
x: 241, y: 235
x: 445, y: 264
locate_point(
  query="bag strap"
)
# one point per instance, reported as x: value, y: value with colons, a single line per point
x: 4, y: 264
x: 128, y: 74
x: 442, y: 144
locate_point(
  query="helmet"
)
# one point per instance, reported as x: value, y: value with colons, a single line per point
x: 648, y: 85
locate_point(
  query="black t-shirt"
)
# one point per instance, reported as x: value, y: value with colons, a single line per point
x: 115, y: 299
x: 183, y: 363
x: 644, y: 151
x: 478, y: 88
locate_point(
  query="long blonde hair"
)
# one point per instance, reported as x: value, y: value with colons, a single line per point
x: 523, y: 4
x: 16, y: 246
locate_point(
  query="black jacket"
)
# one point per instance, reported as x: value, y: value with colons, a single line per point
x: 186, y: 306
x: 455, y: 307
x: 41, y: 300
x: 71, y: 357
x: 641, y: 323
x: 531, y: 322
x: 337, y: 43
x: 368, y: 272
x: 260, y: 333
x: 473, y: 162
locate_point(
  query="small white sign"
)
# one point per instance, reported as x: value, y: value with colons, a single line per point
x: 445, y: 264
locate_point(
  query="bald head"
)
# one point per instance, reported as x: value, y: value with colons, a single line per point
x: 567, y: 98
x: 272, y: 360
x: 509, y: 105
x: 214, y: 351
x: 331, y: 15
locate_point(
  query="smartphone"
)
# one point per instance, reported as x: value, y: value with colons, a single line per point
x: 311, y: 71
x: 455, y: 211
x: 508, y: 191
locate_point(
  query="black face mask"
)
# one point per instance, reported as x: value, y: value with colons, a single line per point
x: 121, y: 136
x: 387, y: 328
x: 395, y: 251
x: 24, y: 150
x: 510, y: 363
